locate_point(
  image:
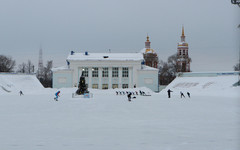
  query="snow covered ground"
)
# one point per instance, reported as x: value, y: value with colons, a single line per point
x: 109, y: 122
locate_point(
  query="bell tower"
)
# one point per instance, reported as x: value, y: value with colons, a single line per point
x: 183, y: 60
x: 150, y: 56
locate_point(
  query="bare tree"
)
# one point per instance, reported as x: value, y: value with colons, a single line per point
x: 22, y: 68
x: 29, y: 67
x: 168, y: 70
x: 6, y: 64
x: 237, y: 67
x: 166, y: 73
x: 26, y: 67
x: 46, y: 80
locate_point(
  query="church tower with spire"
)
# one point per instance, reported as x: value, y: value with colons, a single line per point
x: 183, y: 60
x: 150, y: 56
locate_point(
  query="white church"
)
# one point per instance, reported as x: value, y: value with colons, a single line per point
x: 107, y: 71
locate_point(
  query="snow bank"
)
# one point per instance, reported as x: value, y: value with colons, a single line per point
x: 212, y: 86
x: 13, y: 83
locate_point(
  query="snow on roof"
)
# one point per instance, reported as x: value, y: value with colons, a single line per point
x: 106, y: 56
x: 60, y: 68
x: 144, y: 67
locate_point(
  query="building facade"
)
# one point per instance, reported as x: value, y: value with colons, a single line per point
x: 106, y: 71
x: 183, y: 60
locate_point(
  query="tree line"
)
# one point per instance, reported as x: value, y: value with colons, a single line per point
x: 7, y: 64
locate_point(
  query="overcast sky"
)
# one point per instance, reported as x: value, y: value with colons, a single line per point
x: 121, y: 25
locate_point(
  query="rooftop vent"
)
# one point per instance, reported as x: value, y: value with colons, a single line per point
x: 86, y: 53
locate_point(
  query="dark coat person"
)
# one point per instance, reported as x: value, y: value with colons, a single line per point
x: 169, y: 93
x: 129, y: 96
x: 182, y: 95
x: 188, y: 94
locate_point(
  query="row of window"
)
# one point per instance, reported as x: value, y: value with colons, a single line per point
x: 105, y: 72
x: 183, y: 52
x: 105, y: 86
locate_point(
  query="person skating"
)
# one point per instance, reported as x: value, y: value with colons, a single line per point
x: 182, y: 95
x: 57, y: 95
x: 21, y: 93
x: 129, y: 96
x: 188, y: 94
x: 169, y: 93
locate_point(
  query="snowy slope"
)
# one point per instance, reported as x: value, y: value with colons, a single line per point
x: 13, y: 83
x: 216, y: 86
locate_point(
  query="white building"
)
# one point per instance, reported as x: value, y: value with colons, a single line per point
x: 105, y: 71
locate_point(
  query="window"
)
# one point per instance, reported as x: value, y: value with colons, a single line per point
x: 104, y: 86
x: 95, y: 86
x: 114, y: 86
x: 85, y: 72
x: 94, y: 72
x: 124, y: 72
x: 114, y: 72
x: 183, y: 52
x: 180, y: 52
x: 105, y: 72
x: 125, y: 86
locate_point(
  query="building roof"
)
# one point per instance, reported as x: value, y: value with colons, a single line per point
x: 144, y: 67
x: 106, y: 56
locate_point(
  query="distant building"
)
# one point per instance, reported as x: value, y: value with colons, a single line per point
x: 106, y: 71
x: 183, y: 60
x: 150, y: 56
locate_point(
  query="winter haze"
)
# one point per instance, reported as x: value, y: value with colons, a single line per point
x: 121, y: 25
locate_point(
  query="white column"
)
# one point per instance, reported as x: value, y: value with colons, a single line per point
x: 90, y: 77
x: 120, y: 77
x: 109, y: 77
x: 135, y: 76
x: 100, y: 78
x: 130, y: 77
x: 75, y: 76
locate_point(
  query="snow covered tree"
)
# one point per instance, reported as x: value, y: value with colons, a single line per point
x: 6, y: 64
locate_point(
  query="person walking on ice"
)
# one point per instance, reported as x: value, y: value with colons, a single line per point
x: 169, y: 93
x: 129, y: 96
x: 57, y: 95
x: 188, y: 94
x: 182, y: 95
x: 21, y: 93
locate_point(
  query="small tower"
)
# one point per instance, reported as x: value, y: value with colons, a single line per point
x: 147, y: 43
x: 183, y: 60
x: 150, y: 57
